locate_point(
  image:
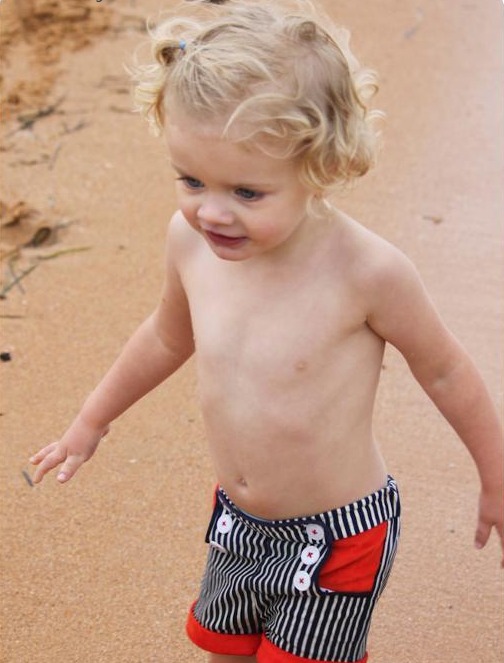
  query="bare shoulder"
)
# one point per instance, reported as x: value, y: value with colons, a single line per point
x: 371, y: 262
x: 396, y: 304
x: 180, y: 235
x: 181, y: 241
x: 388, y: 289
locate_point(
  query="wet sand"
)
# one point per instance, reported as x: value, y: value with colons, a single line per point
x: 104, y: 568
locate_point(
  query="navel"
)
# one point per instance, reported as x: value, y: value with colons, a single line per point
x: 301, y: 366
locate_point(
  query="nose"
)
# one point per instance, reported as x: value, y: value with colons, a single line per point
x: 213, y: 209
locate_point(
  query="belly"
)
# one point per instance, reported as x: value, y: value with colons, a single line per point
x: 284, y: 480
x: 280, y: 455
x: 290, y: 425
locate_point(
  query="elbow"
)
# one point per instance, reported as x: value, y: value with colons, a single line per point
x: 176, y: 348
x: 457, y: 381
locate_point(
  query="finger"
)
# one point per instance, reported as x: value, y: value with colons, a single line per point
x: 40, y: 455
x: 482, y: 535
x: 70, y: 467
x: 51, y: 460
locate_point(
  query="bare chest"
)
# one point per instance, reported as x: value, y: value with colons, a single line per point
x: 282, y: 329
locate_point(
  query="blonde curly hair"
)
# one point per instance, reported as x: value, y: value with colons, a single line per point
x: 279, y: 74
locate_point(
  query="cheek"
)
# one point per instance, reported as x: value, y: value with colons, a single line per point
x: 278, y: 224
x: 191, y: 218
x: 268, y: 233
x: 282, y: 225
x: 186, y: 204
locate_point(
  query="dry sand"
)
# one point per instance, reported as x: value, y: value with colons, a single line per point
x: 103, y: 569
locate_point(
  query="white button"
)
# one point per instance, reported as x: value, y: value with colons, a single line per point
x: 315, y: 532
x: 302, y: 581
x: 225, y: 523
x: 310, y: 555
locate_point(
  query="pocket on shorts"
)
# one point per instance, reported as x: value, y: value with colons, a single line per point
x: 354, y: 562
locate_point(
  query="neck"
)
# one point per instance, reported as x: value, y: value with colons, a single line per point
x: 302, y: 246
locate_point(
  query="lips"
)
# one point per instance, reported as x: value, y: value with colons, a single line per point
x: 224, y: 240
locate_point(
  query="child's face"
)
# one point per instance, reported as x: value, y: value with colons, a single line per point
x: 242, y: 201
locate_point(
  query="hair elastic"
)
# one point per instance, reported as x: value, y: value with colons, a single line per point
x: 182, y: 45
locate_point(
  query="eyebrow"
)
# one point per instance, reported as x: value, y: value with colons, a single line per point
x: 177, y: 168
x: 258, y: 186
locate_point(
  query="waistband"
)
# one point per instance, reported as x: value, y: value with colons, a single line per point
x: 340, y: 523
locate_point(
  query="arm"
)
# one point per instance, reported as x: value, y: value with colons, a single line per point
x: 404, y: 315
x: 157, y: 349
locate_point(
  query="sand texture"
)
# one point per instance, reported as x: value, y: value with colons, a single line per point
x: 103, y: 569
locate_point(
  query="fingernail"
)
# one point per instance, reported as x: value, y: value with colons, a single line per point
x: 62, y: 476
x: 478, y: 545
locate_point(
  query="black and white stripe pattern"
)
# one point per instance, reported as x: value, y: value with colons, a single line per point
x: 258, y: 580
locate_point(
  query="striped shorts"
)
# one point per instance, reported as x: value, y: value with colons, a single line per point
x: 297, y: 590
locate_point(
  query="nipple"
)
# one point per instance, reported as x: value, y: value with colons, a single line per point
x: 301, y: 366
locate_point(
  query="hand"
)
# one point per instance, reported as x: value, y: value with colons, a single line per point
x: 491, y: 514
x: 76, y: 446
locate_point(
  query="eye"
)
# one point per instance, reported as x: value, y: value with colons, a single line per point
x: 248, y: 194
x: 191, y: 182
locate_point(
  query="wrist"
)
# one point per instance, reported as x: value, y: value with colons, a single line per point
x: 92, y: 423
x: 492, y: 480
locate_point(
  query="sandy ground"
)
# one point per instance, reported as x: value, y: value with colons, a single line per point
x: 104, y: 568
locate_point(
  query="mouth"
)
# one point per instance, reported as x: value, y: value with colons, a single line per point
x: 224, y: 240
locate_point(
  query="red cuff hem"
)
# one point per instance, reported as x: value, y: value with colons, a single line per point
x: 221, y: 643
x: 269, y: 653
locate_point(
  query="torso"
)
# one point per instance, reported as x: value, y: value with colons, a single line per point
x: 288, y: 371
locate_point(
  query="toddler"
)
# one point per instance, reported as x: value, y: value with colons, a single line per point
x: 287, y: 305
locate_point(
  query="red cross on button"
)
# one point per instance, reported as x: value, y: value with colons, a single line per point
x: 310, y: 555
x: 302, y: 581
x: 225, y: 523
x: 315, y: 532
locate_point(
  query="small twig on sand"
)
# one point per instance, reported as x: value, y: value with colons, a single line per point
x: 15, y: 281
x: 27, y: 478
x: 27, y: 121
x: 62, y: 252
x: 14, y: 276
x: 54, y: 156
x: 70, y: 130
